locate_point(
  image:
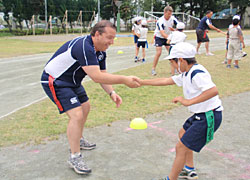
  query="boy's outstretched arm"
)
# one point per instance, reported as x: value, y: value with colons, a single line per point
x: 157, y: 82
x: 208, y: 94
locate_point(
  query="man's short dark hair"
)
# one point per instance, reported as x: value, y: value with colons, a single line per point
x: 236, y: 21
x: 100, y: 27
x: 190, y: 60
x: 208, y: 12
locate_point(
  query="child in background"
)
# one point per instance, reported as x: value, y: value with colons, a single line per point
x: 135, y: 29
x: 235, y: 37
x: 173, y: 39
x: 142, y: 41
x: 227, y: 40
x: 201, y: 97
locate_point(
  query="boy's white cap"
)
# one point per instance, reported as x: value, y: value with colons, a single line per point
x: 182, y: 50
x: 236, y: 17
x: 144, y: 22
x: 138, y: 18
x: 180, y: 25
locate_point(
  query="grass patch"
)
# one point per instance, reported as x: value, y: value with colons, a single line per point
x: 16, y: 47
x: 41, y: 121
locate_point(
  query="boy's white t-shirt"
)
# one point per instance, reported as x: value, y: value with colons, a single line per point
x: 177, y: 37
x: 194, y: 82
x: 143, y: 34
x: 135, y: 27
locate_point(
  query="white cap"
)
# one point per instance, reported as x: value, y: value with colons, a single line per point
x: 182, y: 50
x: 144, y: 22
x: 236, y: 17
x: 180, y: 25
x: 138, y: 18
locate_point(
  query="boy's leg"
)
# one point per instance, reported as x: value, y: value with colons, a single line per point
x: 180, y: 159
x: 189, y: 157
x: 143, y: 53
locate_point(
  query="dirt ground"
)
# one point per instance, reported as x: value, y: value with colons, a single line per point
x: 126, y: 154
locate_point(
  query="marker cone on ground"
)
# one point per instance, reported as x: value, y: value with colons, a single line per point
x: 120, y: 52
x: 138, y: 123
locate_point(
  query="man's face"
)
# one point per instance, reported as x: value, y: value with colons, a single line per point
x: 167, y: 15
x: 105, y: 39
x: 209, y: 15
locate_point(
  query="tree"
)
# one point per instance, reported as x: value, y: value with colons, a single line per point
x: 242, y: 5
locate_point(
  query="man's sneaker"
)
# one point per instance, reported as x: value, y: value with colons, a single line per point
x: 228, y: 66
x: 153, y: 72
x: 85, y: 145
x: 188, y: 174
x: 78, y: 164
x: 244, y: 54
x: 236, y: 66
x: 209, y: 54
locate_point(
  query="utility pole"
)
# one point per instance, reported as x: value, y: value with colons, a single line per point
x: 118, y: 4
x: 45, y: 4
x: 99, y: 11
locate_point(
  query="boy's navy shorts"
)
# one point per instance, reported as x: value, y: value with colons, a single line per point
x: 195, y: 136
x: 161, y: 42
x: 141, y: 43
x: 136, y: 39
x: 66, y: 98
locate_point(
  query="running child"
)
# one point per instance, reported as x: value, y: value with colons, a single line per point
x: 142, y: 41
x: 201, y: 97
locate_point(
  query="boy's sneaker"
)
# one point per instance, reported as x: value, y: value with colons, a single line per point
x: 228, y: 66
x: 85, y: 145
x: 244, y: 54
x: 143, y: 60
x: 78, y: 164
x: 224, y: 62
x: 136, y: 58
x: 188, y: 174
x: 153, y: 72
x: 236, y: 66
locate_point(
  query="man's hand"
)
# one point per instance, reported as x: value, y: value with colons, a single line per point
x: 117, y: 99
x: 183, y: 101
x: 133, y: 82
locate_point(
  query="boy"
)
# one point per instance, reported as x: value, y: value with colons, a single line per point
x: 135, y: 29
x: 174, y: 38
x: 142, y: 34
x: 201, y: 97
x: 235, y: 37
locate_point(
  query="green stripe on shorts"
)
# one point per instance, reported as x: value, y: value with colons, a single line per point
x: 210, y: 125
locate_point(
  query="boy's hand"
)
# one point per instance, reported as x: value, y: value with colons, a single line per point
x: 183, y: 101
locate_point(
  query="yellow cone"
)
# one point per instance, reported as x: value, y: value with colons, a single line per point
x: 120, y: 52
x: 138, y: 123
x: 115, y: 38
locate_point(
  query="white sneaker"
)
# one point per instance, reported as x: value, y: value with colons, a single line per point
x: 209, y: 54
x: 198, y: 53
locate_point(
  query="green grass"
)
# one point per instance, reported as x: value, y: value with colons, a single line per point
x: 16, y: 47
x: 41, y: 121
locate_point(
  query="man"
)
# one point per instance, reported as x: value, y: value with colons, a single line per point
x: 202, y: 30
x: 164, y: 26
x: 62, y: 77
